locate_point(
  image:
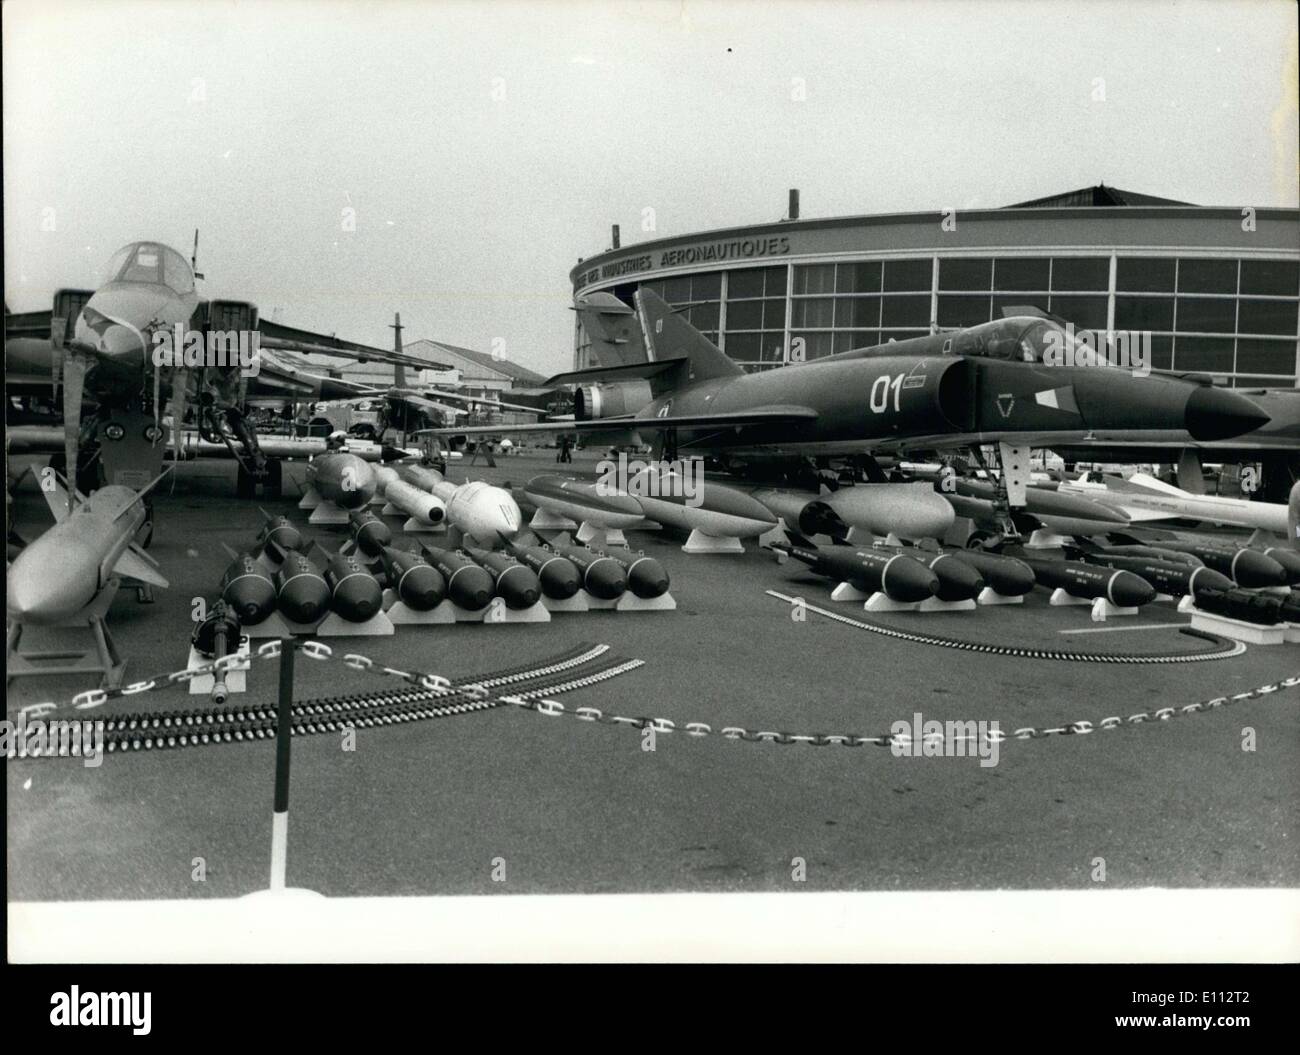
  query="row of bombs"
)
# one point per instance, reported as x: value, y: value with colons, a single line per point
x: 304, y: 582
x: 1220, y: 577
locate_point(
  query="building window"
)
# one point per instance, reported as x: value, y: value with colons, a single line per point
x: 909, y: 276
x: 959, y: 273
x: 1028, y: 274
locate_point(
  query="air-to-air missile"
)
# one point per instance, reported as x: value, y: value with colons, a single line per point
x: 559, y: 577
x: 479, y: 510
x: 61, y: 572
x: 248, y: 588
x: 369, y: 533
x: 1170, y: 577
x: 1248, y: 568
x: 1144, y: 493
x: 280, y: 530
x: 646, y: 577
x: 1005, y: 575
x: 416, y: 582
x: 715, y: 510
x: 897, y: 576
x: 584, y: 502
x: 1066, y: 514
x: 355, y: 594
x: 907, y: 510
x: 1121, y: 588
x: 603, y: 577
x: 516, y: 583
x: 468, y: 585
x: 958, y: 580
x: 1149, y: 550
x: 302, y: 594
x: 415, y: 502
x: 342, y: 478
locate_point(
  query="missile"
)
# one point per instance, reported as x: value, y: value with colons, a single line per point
x: 1248, y: 568
x: 1262, y: 608
x: 355, y: 594
x: 603, y: 577
x: 646, y: 577
x: 384, y: 475
x: 1144, y: 493
x: 1150, y: 551
x: 420, y: 476
x: 896, y: 575
x: 1005, y: 575
x: 1173, y: 578
x: 417, y: 583
x: 582, y: 501
x: 557, y: 574
x: 369, y: 533
x: 714, y: 509
x: 908, y: 510
x: 516, y: 583
x: 60, y: 573
x: 468, y: 585
x: 302, y: 593
x: 958, y: 580
x: 248, y: 589
x: 1121, y: 588
x: 342, y: 478
x: 415, y: 502
x: 279, y: 530
x: 483, y: 512
x: 1067, y: 514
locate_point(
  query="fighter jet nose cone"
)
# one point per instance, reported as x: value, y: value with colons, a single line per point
x: 1219, y: 413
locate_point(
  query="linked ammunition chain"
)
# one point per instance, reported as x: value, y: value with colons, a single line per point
x: 553, y: 709
x: 236, y: 723
x: 1224, y: 648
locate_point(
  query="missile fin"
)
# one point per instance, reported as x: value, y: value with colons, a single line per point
x: 135, y: 564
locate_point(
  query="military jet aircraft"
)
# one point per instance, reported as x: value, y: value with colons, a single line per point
x: 101, y: 351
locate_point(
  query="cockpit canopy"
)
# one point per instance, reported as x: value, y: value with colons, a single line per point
x: 1024, y: 339
x: 153, y: 263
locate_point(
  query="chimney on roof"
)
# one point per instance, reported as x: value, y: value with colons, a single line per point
x: 794, y: 204
x: 614, y: 234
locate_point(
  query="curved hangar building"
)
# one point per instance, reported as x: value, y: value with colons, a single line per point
x: 1216, y: 287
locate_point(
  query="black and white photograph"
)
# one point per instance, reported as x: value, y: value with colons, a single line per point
x: 648, y: 481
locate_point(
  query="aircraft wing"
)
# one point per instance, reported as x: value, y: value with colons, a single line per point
x: 722, y: 420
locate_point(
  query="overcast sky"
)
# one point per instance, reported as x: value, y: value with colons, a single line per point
x: 486, y: 146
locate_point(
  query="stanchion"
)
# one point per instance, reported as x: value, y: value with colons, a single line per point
x: 283, y: 746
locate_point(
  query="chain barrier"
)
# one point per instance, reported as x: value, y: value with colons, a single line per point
x: 551, y: 708
x: 1225, y: 648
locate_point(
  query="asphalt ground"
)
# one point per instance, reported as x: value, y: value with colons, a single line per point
x: 563, y: 806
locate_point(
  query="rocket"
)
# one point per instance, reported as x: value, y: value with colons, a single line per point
x: 1149, y: 551
x: 583, y: 501
x: 63, y: 571
x: 420, y: 476
x: 516, y: 583
x: 557, y: 575
x: 417, y: 583
x: 908, y: 510
x: 715, y: 509
x: 468, y: 584
x: 603, y: 577
x: 1121, y: 588
x: 342, y: 478
x: 897, y: 576
x: 355, y: 594
x: 369, y: 533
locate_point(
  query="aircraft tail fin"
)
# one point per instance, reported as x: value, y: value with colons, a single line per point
x: 669, y: 336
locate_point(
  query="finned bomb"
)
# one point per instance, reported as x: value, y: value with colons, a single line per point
x: 468, y: 585
x: 558, y: 576
x: 248, y: 589
x: 369, y: 533
x: 897, y: 576
x: 417, y: 583
x: 603, y: 577
x: 302, y: 593
x: 516, y: 583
